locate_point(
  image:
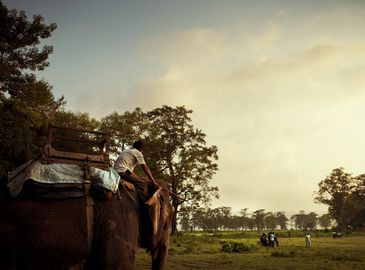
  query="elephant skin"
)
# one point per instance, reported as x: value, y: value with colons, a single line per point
x: 37, y: 234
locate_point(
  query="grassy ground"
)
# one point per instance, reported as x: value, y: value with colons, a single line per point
x: 205, y: 252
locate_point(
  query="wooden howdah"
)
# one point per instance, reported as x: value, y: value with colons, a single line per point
x: 101, y: 142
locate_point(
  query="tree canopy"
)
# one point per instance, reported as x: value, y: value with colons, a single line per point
x: 222, y: 218
x: 20, y: 52
x: 176, y: 151
x: 345, y: 197
x: 26, y: 104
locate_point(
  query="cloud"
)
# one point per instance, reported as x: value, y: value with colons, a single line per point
x: 266, y: 38
x: 193, y: 47
x: 271, y: 118
x: 353, y: 78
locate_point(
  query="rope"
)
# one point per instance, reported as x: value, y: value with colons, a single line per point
x: 89, y: 202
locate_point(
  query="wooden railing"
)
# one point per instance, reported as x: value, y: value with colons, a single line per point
x: 101, y: 142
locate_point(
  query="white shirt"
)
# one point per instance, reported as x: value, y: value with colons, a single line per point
x: 128, y: 160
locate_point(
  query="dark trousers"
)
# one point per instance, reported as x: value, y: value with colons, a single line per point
x: 139, y: 183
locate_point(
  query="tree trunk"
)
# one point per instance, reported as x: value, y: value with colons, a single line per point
x: 174, y: 220
x: 175, y: 202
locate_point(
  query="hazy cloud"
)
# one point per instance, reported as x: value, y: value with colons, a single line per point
x: 273, y: 118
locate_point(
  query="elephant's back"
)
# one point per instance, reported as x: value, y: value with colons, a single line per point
x: 42, y: 230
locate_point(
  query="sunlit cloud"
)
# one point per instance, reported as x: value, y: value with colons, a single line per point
x: 270, y: 116
x: 266, y: 38
x: 191, y: 48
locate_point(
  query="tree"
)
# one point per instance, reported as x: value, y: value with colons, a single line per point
x: 185, y: 221
x: 19, y: 46
x: 22, y: 118
x: 299, y: 220
x: 281, y: 219
x: 26, y: 104
x: 354, y: 205
x: 310, y: 221
x: 244, y: 218
x: 333, y: 191
x: 250, y: 223
x: 182, y: 156
x: 270, y: 221
x: 324, y: 221
x: 199, y: 218
x: 126, y: 128
x: 305, y: 221
x: 259, y: 217
x: 75, y: 120
x: 224, y: 215
x: 236, y: 223
x: 175, y: 151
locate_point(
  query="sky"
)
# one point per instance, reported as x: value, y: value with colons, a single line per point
x: 277, y: 86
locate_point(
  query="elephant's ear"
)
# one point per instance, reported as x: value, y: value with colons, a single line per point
x: 161, y: 211
x: 154, y: 210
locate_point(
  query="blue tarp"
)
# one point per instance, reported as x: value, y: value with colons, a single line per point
x: 56, y: 173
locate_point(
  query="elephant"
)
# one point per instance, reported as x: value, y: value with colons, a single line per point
x: 43, y: 233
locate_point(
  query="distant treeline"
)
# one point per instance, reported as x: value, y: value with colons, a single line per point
x: 343, y: 193
x: 221, y: 218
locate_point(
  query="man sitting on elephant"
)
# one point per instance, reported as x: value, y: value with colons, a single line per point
x: 125, y: 164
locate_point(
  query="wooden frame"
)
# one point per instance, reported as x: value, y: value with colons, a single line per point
x: 51, y: 155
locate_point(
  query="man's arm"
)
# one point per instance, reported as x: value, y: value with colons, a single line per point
x: 147, y: 171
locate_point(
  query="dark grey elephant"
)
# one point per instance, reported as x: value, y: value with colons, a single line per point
x: 52, y: 234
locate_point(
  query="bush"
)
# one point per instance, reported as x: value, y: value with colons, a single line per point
x: 234, y: 246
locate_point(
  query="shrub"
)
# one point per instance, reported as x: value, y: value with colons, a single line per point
x: 233, y: 246
x: 226, y: 247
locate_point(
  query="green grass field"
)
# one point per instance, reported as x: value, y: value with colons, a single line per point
x: 204, y: 251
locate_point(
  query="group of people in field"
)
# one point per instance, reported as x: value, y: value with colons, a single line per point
x: 269, y: 240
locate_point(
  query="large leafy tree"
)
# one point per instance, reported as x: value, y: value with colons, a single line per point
x: 354, y: 206
x: 270, y: 221
x: 186, y: 222
x: 78, y: 143
x: 310, y: 221
x: 333, y: 191
x: 281, y: 219
x: 22, y: 118
x: 299, y: 220
x: 175, y: 151
x: 19, y: 46
x: 26, y: 104
x: 182, y: 155
x: 126, y: 128
x: 244, y: 217
x: 324, y: 221
x: 259, y: 217
x: 304, y: 221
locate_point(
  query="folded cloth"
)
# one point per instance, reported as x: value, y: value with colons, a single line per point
x: 57, y: 173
